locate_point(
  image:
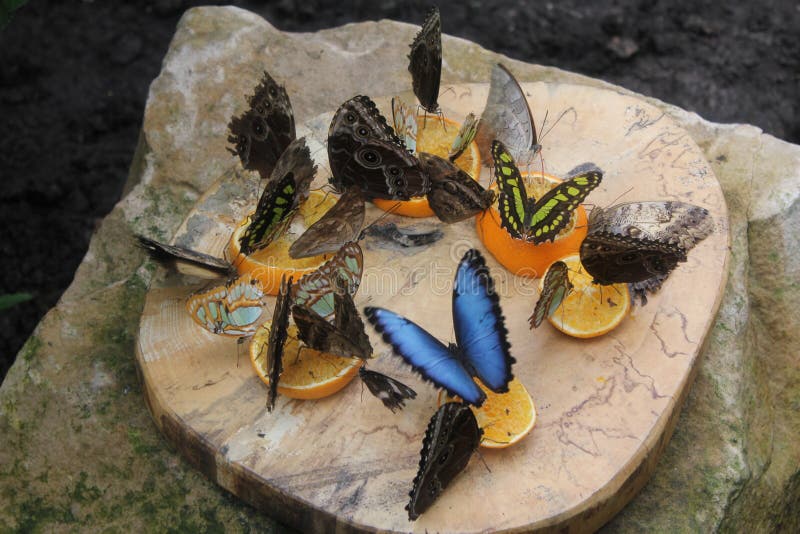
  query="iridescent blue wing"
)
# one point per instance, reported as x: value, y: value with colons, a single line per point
x: 426, y: 354
x: 478, y: 322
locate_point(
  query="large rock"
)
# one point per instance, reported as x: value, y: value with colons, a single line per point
x: 77, y: 446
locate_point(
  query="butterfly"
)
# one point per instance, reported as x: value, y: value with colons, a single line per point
x: 340, y: 224
x: 481, y: 348
x: 425, y: 62
x: 345, y: 336
x: 288, y: 186
x: 450, y: 439
x: 231, y: 309
x: 507, y: 118
x: 454, y: 195
x: 364, y: 151
x: 262, y: 133
x: 315, y: 290
x: 539, y: 220
x: 187, y: 260
x: 556, y: 288
x: 640, y: 243
x: 393, y: 237
x: 277, y: 339
x: 466, y: 134
x: 391, y: 392
x: 404, y: 120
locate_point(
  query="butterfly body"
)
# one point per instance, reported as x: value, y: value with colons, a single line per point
x: 231, y: 309
x: 425, y: 62
x: 507, y: 118
x: 539, y: 220
x: 262, y: 133
x: 454, y: 195
x: 481, y: 347
x: 642, y: 242
x: 365, y: 152
x: 450, y: 439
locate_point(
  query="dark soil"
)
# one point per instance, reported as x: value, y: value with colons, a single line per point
x: 74, y: 78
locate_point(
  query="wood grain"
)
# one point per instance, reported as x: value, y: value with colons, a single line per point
x: 606, y: 406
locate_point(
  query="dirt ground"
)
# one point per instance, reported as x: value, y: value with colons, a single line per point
x: 74, y: 78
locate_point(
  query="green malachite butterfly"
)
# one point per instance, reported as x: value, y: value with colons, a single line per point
x: 556, y: 288
x: 287, y: 187
x: 315, y: 290
x: 538, y: 220
x: 231, y: 309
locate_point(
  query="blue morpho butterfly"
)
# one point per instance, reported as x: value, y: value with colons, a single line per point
x: 481, y: 348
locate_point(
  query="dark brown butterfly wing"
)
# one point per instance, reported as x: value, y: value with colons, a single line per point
x: 345, y: 337
x: 454, y: 195
x: 392, y: 393
x: 277, y: 340
x: 262, y: 133
x: 425, y: 62
x: 612, y: 259
x: 364, y: 151
x: 451, y: 438
x: 163, y: 253
x: 340, y: 224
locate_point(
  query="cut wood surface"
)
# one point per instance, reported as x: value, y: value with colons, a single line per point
x: 606, y: 406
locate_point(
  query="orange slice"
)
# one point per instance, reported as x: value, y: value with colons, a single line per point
x: 307, y: 374
x: 524, y: 258
x: 434, y: 139
x: 590, y: 310
x: 505, y: 418
x: 273, y: 261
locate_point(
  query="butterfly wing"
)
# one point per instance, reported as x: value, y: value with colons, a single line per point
x: 262, y: 133
x: 553, y: 211
x: 405, y: 123
x: 612, y: 258
x: 465, y: 136
x: 348, y: 321
x: 425, y: 61
x: 454, y: 195
x: 479, y: 325
x: 426, y: 354
x: 513, y: 199
x: 365, y: 152
x: 231, y: 309
x: 163, y: 252
x: 275, y: 210
x: 392, y: 393
x: 556, y: 288
x: 277, y: 340
x: 450, y: 439
x: 507, y: 118
x: 315, y: 290
x: 340, y: 224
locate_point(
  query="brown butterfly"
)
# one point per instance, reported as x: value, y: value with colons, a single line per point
x: 277, y: 339
x: 262, y: 133
x: 454, y: 195
x: 340, y: 224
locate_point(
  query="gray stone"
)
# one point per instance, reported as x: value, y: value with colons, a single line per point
x: 78, y: 448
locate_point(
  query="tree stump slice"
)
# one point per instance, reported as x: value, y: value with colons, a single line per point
x: 606, y: 406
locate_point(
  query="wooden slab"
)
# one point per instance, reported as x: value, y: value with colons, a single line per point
x: 606, y: 406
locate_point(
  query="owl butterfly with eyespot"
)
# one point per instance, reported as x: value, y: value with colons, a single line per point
x: 425, y: 62
x: 454, y: 195
x: 450, y: 439
x: 262, y: 133
x: 508, y: 119
x: 365, y: 152
x: 640, y: 243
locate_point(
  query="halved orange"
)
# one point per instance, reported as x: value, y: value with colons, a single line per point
x: 524, y: 258
x: 505, y: 418
x: 434, y: 139
x: 307, y: 373
x: 273, y: 261
x: 590, y: 310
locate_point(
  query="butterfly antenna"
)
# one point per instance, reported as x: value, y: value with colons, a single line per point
x: 621, y: 195
x: 483, y: 459
x: 388, y: 211
x: 568, y: 110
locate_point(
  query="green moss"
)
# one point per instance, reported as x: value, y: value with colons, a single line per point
x: 138, y: 444
x: 83, y: 492
x: 31, y: 348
